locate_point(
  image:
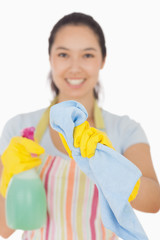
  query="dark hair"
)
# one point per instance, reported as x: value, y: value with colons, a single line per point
x: 77, y: 19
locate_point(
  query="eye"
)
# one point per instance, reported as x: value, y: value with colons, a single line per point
x: 63, y: 55
x: 88, y: 55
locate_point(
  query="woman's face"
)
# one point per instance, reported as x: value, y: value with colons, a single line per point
x: 75, y: 61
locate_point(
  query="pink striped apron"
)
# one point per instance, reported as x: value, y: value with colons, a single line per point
x: 72, y: 200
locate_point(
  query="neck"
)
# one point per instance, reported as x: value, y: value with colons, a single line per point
x: 86, y: 101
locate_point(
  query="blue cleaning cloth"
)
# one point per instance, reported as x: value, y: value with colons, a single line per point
x: 114, y: 175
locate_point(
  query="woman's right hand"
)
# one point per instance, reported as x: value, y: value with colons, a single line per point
x: 21, y: 154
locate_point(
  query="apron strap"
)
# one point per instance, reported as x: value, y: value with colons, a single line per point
x: 98, y: 118
x: 44, y: 121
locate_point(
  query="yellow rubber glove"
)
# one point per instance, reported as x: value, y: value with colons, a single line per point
x: 83, y: 140
x: 86, y: 138
x: 22, y: 154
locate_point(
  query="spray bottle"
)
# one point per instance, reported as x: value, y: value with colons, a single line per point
x: 26, y: 206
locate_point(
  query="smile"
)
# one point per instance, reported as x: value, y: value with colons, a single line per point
x: 75, y: 82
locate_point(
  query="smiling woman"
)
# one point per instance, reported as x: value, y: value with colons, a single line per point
x: 87, y: 25
x: 76, y: 60
x: 77, y: 53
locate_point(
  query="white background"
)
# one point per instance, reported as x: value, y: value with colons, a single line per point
x: 130, y: 78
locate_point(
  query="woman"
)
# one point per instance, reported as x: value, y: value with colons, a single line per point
x: 77, y: 53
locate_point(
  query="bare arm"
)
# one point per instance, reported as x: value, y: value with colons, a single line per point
x: 5, y: 231
x: 148, y: 197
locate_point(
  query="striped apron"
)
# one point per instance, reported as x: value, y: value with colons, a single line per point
x: 72, y: 198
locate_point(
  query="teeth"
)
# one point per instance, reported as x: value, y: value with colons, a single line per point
x: 75, y: 81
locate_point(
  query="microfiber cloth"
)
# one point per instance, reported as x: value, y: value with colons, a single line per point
x: 114, y: 175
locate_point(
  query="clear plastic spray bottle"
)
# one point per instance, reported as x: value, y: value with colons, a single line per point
x: 26, y: 206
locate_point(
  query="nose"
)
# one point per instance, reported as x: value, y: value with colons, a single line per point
x: 75, y: 64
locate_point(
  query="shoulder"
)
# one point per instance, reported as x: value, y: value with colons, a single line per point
x: 117, y: 122
x: 23, y: 120
x: 123, y: 130
x: 16, y: 124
